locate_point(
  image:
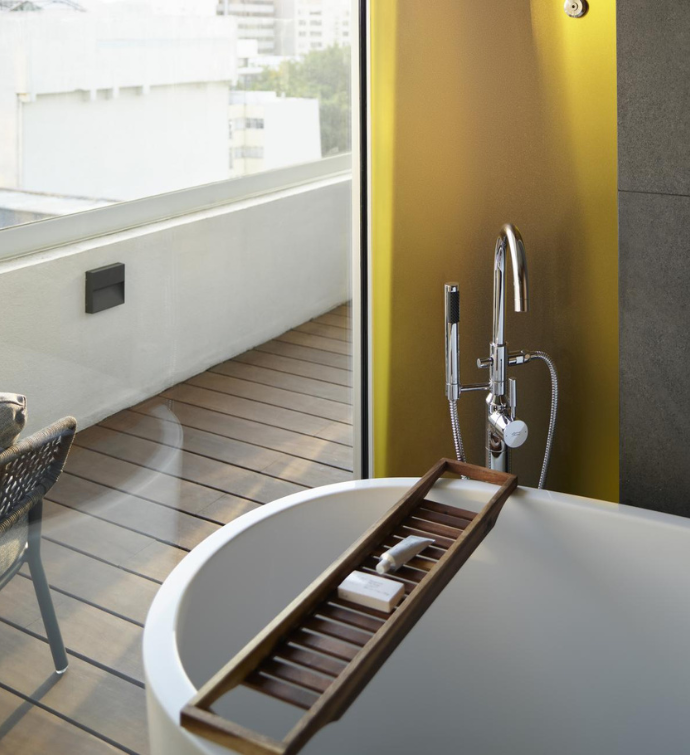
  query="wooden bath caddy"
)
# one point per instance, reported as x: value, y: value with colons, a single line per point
x: 321, y: 651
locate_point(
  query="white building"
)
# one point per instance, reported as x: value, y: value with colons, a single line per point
x: 291, y: 27
x: 306, y: 25
x: 121, y: 101
x: 255, y: 21
x: 270, y: 132
x: 254, y: 65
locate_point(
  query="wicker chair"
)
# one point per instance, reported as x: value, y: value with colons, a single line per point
x: 28, y: 470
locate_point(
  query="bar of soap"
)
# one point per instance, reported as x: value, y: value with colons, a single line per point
x: 371, y: 591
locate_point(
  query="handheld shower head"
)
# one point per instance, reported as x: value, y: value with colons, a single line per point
x: 452, y: 316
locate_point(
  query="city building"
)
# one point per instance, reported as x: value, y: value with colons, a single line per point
x: 123, y: 113
x: 306, y: 25
x: 255, y: 21
x: 290, y: 27
x: 268, y: 131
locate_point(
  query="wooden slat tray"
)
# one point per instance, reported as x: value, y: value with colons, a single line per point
x: 321, y: 651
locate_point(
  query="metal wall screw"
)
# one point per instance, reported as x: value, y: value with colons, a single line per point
x: 576, y: 8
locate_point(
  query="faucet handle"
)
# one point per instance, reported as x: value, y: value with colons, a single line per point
x: 484, y: 363
x: 518, y: 357
x: 512, y: 397
x: 514, y: 432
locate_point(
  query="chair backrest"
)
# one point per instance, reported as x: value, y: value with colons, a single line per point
x: 30, y: 468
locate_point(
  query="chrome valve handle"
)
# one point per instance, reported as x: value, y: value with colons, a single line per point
x: 513, y: 432
x: 502, y: 419
x: 514, y: 358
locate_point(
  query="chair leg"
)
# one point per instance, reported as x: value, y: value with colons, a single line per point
x: 45, y: 602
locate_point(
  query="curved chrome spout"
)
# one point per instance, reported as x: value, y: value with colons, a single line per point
x: 509, y: 238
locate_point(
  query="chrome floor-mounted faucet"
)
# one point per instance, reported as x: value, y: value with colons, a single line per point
x: 503, y: 430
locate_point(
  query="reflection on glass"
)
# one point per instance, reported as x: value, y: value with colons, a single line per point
x: 104, y: 101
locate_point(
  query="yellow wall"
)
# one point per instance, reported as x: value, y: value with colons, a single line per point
x: 485, y: 113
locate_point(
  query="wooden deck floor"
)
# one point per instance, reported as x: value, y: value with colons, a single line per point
x: 140, y: 490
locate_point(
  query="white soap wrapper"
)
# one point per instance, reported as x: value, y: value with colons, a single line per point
x: 371, y: 591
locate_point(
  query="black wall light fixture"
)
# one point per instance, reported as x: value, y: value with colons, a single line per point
x: 105, y: 287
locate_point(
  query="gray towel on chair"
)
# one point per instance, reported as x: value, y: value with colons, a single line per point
x: 12, y: 418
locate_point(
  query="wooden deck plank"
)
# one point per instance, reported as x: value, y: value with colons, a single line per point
x: 156, y: 561
x: 186, y: 466
x: 275, y: 438
x: 276, y: 379
x: 103, y: 540
x: 104, y: 703
x: 98, y: 635
x: 165, y: 430
x: 101, y: 584
x: 90, y: 534
x: 140, y: 481
x: 311, y: 474
x: 18, y: 603
x: 316, y: 342
x: 312, y: 406
x: 245, y: 409
x: 344, y: 310
x: 326, y: 358
x: 315, y: 328
x: 168, y: 525
x: 86, y: 630
x: 338, y: 433
x: 28, y: 729
x: 222, y: 449
x: 337, y: 321
x: 298, y: 367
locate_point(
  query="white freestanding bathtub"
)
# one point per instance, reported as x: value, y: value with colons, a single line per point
x: 566, y: 633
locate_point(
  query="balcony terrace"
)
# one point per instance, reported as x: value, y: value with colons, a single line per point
x: 140, y: 489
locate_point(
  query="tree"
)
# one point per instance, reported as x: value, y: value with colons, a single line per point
x: 323, y: 75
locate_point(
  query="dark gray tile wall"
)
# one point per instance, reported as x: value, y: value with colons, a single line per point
x: 654, y: 243
x: 655, y: 350
x: 654, y: 96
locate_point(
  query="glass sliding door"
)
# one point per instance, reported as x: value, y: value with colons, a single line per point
x: 177, y: 259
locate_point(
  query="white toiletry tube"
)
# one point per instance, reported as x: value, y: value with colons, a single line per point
x: 401, y: 553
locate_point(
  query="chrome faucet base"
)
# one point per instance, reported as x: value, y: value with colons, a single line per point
x: 497, y: 453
